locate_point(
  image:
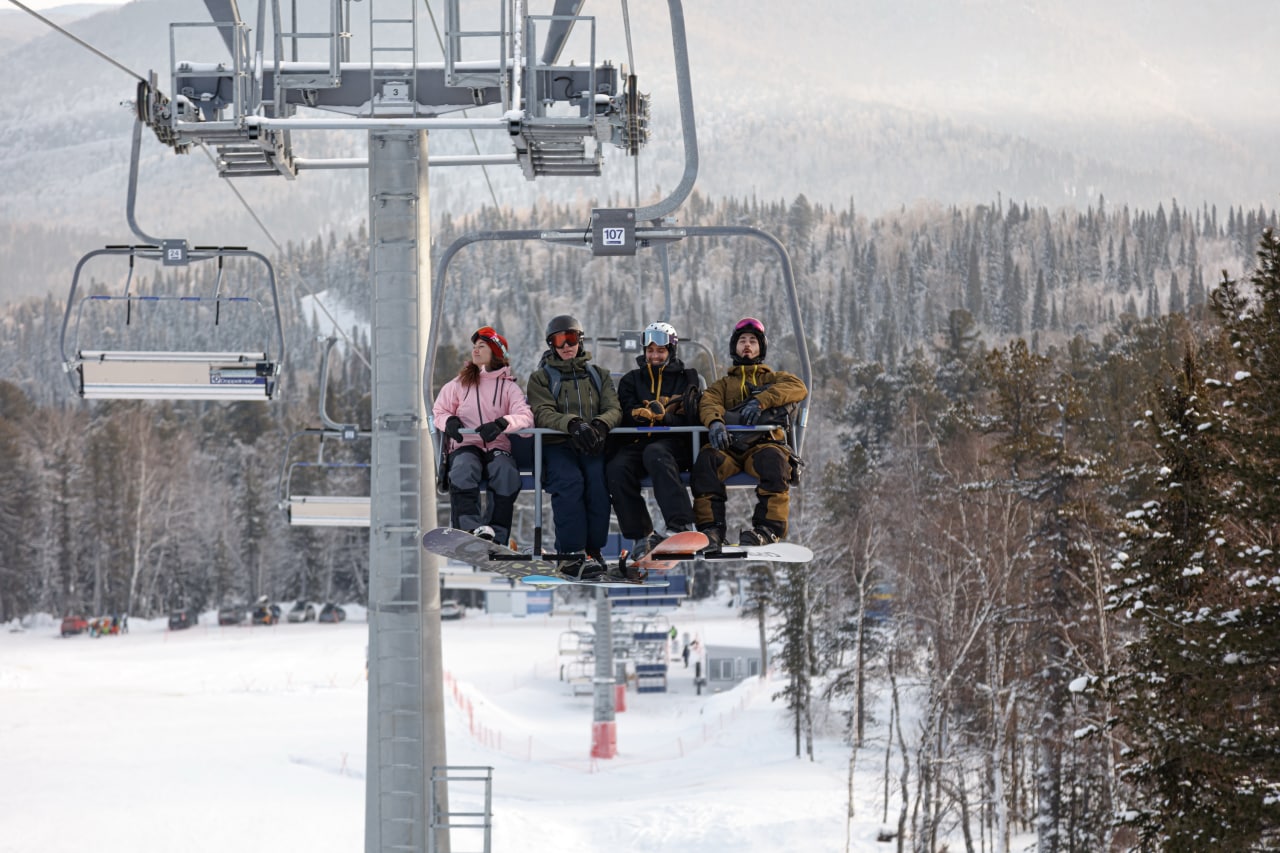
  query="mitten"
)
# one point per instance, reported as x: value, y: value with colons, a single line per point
x: 453, y: 428
x: 492, y: 429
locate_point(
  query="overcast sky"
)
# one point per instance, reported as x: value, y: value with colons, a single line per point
x: 43, y: 5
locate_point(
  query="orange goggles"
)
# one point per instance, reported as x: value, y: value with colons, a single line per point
x: 559, y: 339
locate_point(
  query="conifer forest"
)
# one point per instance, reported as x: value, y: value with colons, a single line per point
x: 1040, y: 479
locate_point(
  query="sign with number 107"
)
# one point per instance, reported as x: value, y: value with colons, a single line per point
x: 615, y: 236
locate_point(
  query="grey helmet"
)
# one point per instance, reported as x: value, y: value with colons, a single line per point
x: 562, y: 323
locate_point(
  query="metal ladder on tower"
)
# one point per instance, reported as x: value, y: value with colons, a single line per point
x: 456, y: 34
x: 405, y: 684
x: 393, y: 57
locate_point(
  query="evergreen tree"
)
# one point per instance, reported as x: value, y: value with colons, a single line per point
x: 1205, y: 708
x: 1039, y: 305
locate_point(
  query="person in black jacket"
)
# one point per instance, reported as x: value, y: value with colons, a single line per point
x: 659, y: 392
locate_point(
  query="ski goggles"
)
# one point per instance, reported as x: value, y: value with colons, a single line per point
x: 656, y: 336
x: 570, y: 336
x: 749, y: 324
x: 490, y: 335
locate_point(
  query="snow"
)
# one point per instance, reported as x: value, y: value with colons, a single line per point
x: 330, y: 316
x: 253, y: 739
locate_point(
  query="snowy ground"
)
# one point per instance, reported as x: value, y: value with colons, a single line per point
x: 253, y: 739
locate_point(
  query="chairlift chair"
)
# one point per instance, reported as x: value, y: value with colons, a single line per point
x: 639, y: 236
x: 249, y: 372
x: 312, y: 510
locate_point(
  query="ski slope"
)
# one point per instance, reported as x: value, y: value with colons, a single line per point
x: 253, y: 739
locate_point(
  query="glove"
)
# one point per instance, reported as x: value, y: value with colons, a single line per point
x: 453, y: 428
x: 492, y: 429
x: 750, y: 412
x: 584, y: 438
x: 648, y: 413
x: 602, y: 431
x: 719, y: 435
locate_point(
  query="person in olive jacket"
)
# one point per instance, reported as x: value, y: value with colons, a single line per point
x: 569, y: 394
x: 750, y: 388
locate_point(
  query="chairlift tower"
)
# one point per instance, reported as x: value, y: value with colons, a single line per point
x: 556, y: 115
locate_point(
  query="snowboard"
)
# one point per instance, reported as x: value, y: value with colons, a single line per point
x: 672, y: 551
x: 483, y: 554
x: 777, y: 552
x: 550, y: 580
x: 492, y: 557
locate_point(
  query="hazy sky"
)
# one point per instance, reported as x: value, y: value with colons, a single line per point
x: 43, y: 5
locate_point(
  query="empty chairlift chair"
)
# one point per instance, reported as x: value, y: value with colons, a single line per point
x: 345, y: 483
x: 202, y: 341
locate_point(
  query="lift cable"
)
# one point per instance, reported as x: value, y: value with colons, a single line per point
x: 524, y: 286
x: 664, y: 259
x: 302, y: 282
x: 234, y: 189
x: 80, y: 41
x: 474, y: 142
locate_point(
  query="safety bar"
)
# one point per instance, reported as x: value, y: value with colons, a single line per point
x: 531, y: 471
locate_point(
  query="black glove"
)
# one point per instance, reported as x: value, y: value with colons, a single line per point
x: 602, y: 430
x: 453, y: 428
x: 584, y: 438
x: 492, y: 429
x: 750, y: 412
x: 719, y: 435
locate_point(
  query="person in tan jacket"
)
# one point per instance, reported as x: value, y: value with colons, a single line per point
x: 744, y: 397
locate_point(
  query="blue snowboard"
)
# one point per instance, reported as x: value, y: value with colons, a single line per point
x: 544, y: 581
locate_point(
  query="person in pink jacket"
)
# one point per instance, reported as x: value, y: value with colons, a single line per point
x: 483, y: 397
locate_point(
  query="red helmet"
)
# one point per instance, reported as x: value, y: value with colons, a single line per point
x: 497, y: 343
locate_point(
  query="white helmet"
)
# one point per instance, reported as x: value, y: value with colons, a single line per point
x: 662, y: 334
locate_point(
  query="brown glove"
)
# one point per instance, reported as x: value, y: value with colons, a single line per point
x: 650, y: 413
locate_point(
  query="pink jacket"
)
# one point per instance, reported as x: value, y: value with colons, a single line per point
x: 495, y: 396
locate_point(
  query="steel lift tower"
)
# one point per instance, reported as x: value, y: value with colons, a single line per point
x: 344, y: 65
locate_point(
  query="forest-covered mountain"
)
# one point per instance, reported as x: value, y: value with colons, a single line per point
x: 1040, y: 486
x: 887, y: 291
x: 869, y: 105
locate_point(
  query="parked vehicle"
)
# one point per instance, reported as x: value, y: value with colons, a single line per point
x: 302, y: 611
x: 231, y: 614
x: 183, y: 617
x: 332, y: 613
x: 450, y: 609
x: 266, y: 612
x: 74, y: 624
